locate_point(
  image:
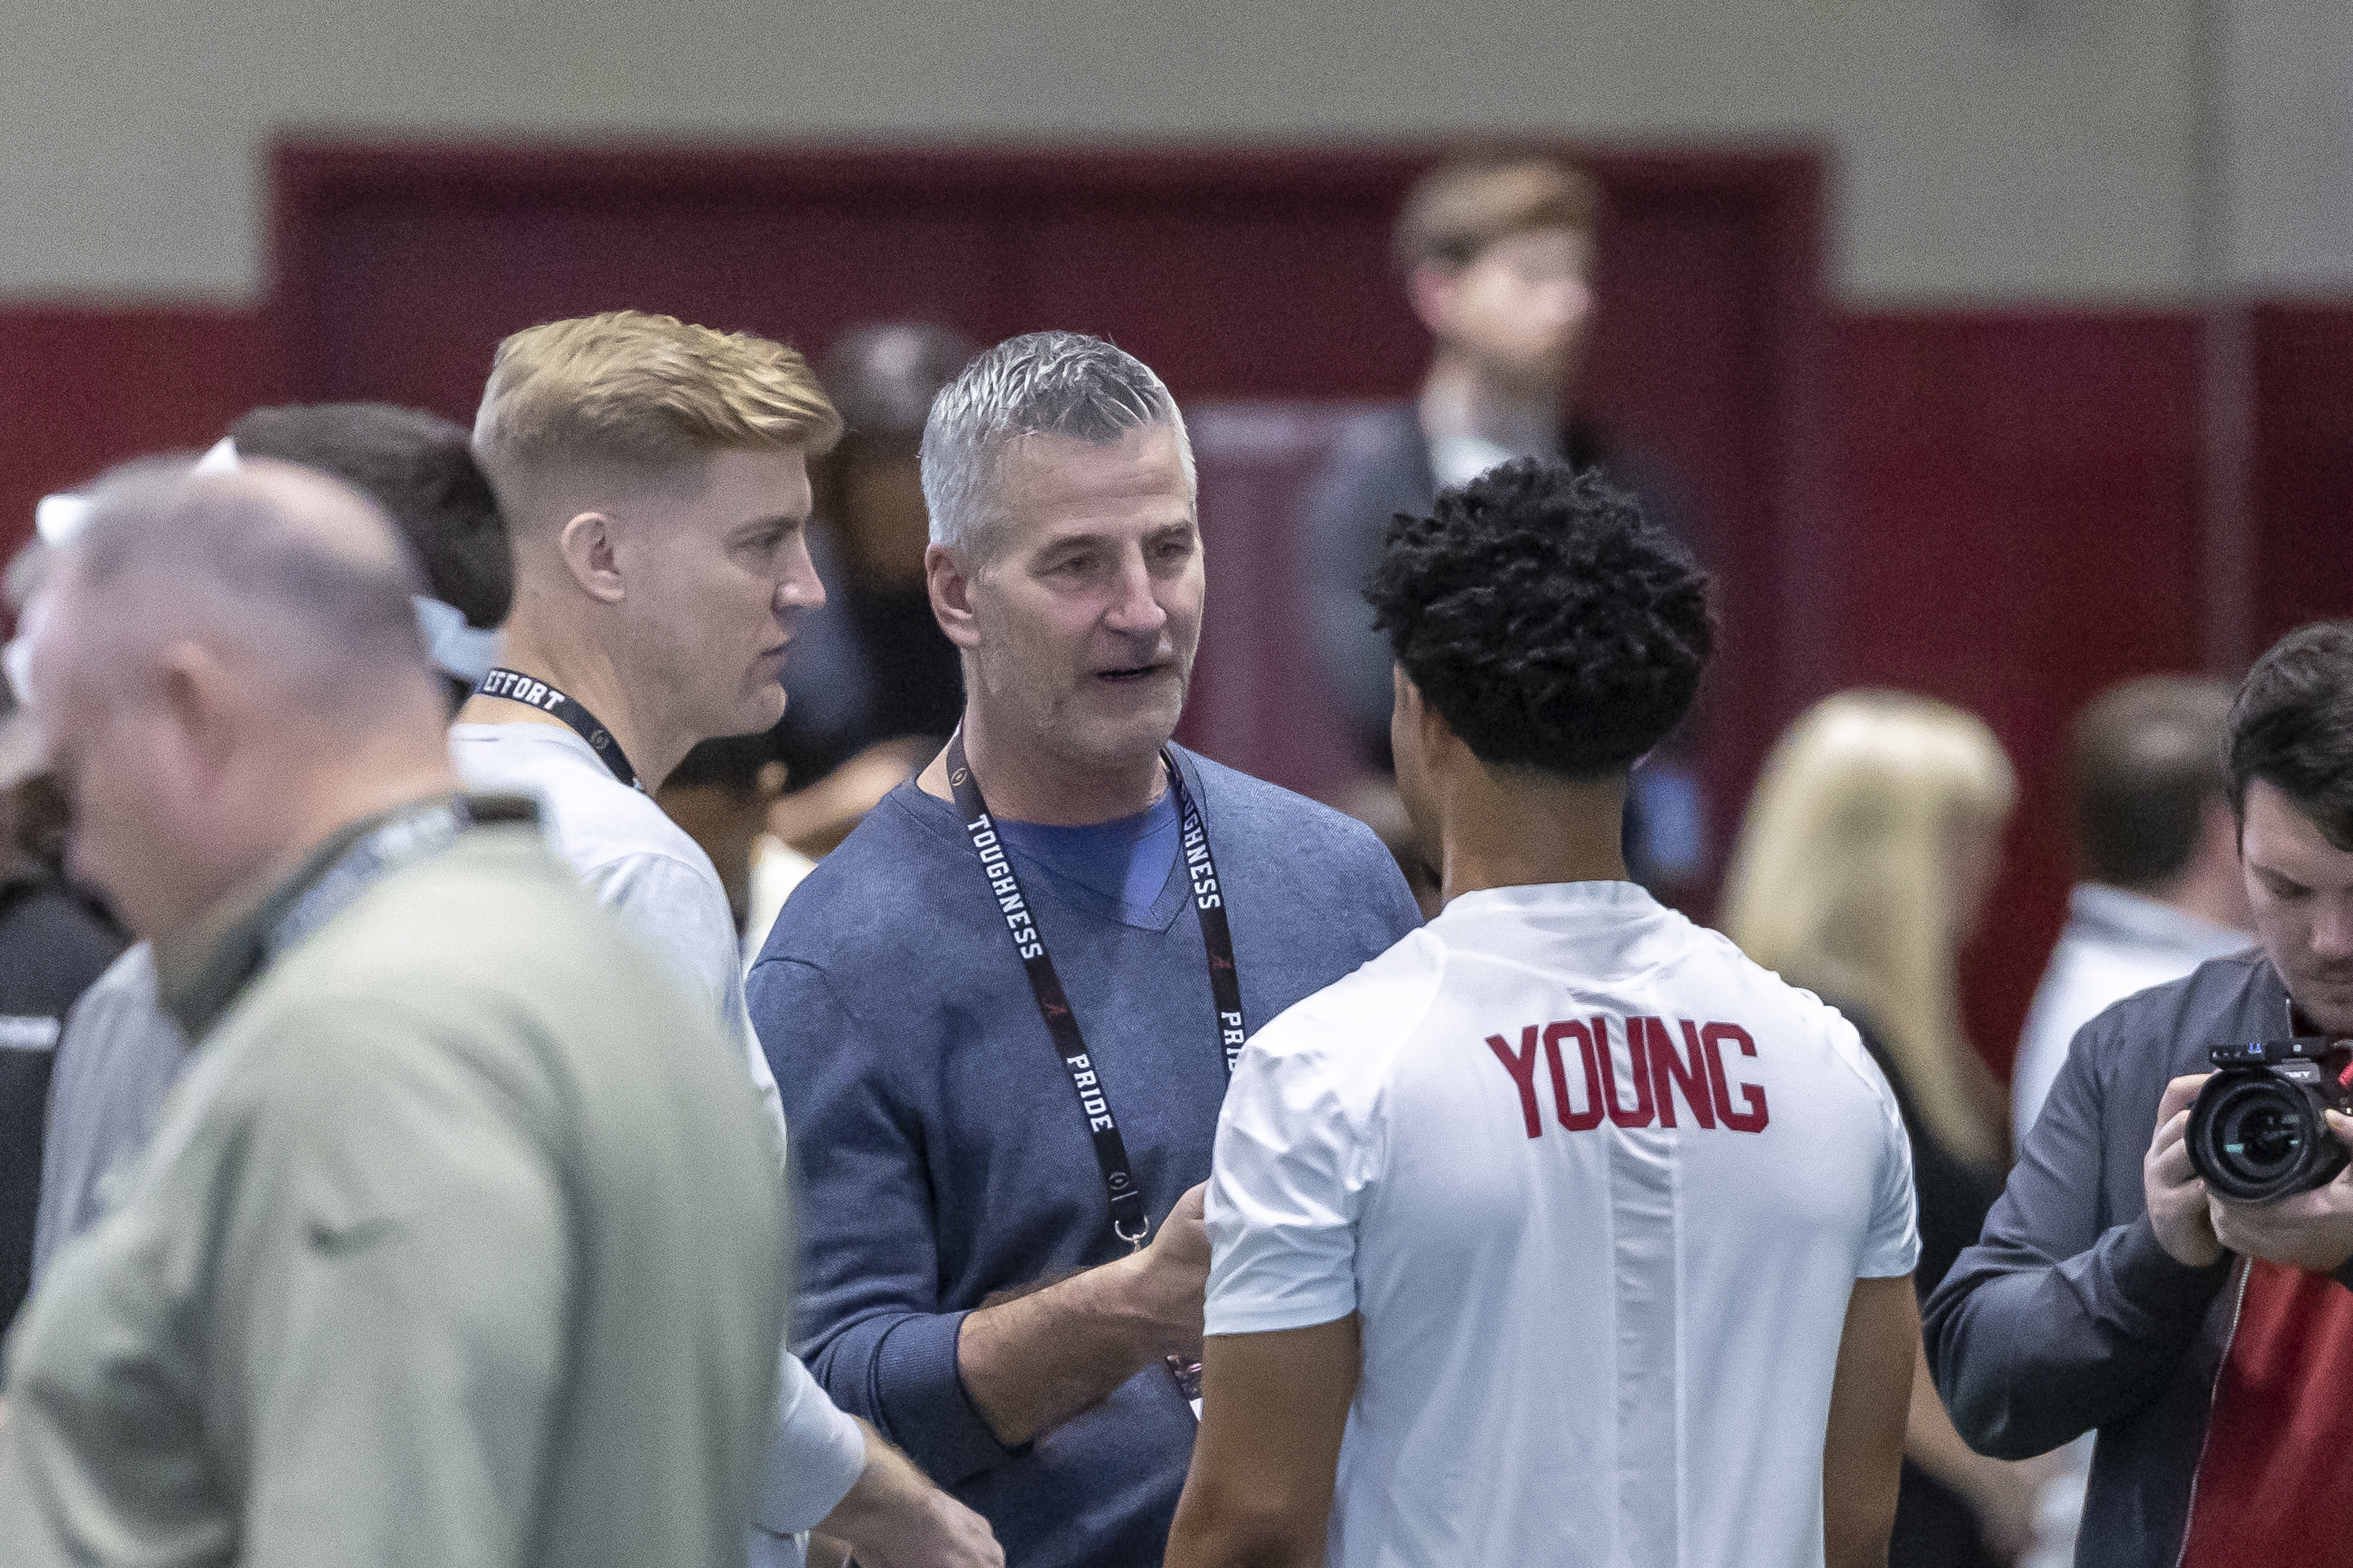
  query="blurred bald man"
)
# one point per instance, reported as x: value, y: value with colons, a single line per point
x: 429, y: 1261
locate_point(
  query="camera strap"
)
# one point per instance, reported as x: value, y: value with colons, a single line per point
x: 1129, y: 1221
x: 511, y: 686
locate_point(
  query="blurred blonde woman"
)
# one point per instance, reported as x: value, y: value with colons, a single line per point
x: 1870, y: 843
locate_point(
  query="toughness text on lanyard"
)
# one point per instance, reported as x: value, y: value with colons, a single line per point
x: 518, y: 688
x: 1128, y: 1220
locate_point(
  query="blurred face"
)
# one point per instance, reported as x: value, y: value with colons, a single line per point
x: 1085, y: 619
x: 2300, y: 887
x: 139, y: 759
x: 1520, y: 306
x: 884, y: 525
x: 717, y: 575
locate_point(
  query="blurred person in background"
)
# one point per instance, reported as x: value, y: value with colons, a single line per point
x: 654, y: 479
x: 429, y: 1261
x: 1411, y: 1254
x: 120, y: 1052
x: 56, y: 939
x: 1871, y: 840
x: 875, y: 685
x: 420, y: 468
x: 1497, y: 255
x: 722, y: 792
x: 2157, y: 847
x: 1007, y: 1007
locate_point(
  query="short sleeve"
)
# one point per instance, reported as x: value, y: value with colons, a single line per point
x: 1285, y: 1190
x: 1891, y: 1247
x: 816, y: 1454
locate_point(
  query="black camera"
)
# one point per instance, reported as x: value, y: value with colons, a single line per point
x: 2258, y: 1129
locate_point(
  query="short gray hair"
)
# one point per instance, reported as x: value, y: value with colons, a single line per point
x: 1041, y: 384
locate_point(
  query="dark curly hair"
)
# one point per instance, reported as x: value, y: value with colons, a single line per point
x: 1546, y: 621
x: 2292, y: 727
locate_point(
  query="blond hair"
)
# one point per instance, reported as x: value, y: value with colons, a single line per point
x: 643, y: 393
x: 1843, y: 881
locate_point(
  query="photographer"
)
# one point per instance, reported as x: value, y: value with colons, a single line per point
x: 2208, y: 1341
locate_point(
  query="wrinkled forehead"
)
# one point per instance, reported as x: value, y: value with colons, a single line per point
x: 1142, y: 474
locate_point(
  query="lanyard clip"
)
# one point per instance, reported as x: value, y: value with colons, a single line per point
x: 1135, y: 1242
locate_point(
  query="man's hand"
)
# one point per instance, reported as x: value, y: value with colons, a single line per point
x: 1168, y: 1279
x: 896, y: 1518
x: 1031, y: 1362
x: 2310, y: 1230
x: 2180, y: 1209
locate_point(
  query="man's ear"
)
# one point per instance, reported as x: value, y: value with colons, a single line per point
x: 951, y: 590
x: 199, y: 697
x: 1431, y: 291
x: 588, y: 548
x: 1438, y: 739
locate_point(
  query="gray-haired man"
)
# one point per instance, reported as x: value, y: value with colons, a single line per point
x: 1006, y: 1007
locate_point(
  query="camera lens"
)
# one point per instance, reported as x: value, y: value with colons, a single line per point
x: 2255, y: 1137
x: 2265, y: 1136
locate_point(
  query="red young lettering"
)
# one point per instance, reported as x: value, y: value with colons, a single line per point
x: 1751, y: 1120
x: 1670, y: 1071
x: 1590, y: 1117
x: 1638, y: 1064
x: 1522, y: 1068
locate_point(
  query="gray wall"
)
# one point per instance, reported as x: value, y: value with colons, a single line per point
x: 1985, y: 150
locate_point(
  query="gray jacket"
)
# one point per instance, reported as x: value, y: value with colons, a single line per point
x: 2068, y: 1316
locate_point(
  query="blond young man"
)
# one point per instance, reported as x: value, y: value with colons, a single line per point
x: 654, y: 477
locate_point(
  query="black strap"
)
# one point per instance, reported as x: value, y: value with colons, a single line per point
x: 514, y: 686
x: 1129, y: 1221
x: 401, y: 840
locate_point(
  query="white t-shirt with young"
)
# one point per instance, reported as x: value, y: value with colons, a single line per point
x: 1591, y: 1335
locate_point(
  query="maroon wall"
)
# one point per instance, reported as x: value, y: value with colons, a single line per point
x: 81, y: 387
x: 2001, y: 509
x: 2015, y: 503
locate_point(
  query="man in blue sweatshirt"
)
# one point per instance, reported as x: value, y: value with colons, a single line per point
x: 1002, y: 1013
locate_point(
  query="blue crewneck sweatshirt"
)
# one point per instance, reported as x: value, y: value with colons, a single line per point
x: 942, y: 1151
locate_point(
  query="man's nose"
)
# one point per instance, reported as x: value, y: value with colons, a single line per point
x: 799, y: 587
x: 2332, y: 927
x: 1135, y: 609
x: 1564, y: 300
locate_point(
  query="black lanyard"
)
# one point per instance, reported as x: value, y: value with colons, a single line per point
x: 1128, y: 1220
x: 514, y: 686
x: 403, y: 839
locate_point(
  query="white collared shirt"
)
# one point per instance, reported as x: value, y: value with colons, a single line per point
x: 2115, y: 944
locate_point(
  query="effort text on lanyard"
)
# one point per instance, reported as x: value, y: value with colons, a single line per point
x: 515, y: 687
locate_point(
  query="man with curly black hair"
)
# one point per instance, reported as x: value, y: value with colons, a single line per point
x: 1560, y: 1233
